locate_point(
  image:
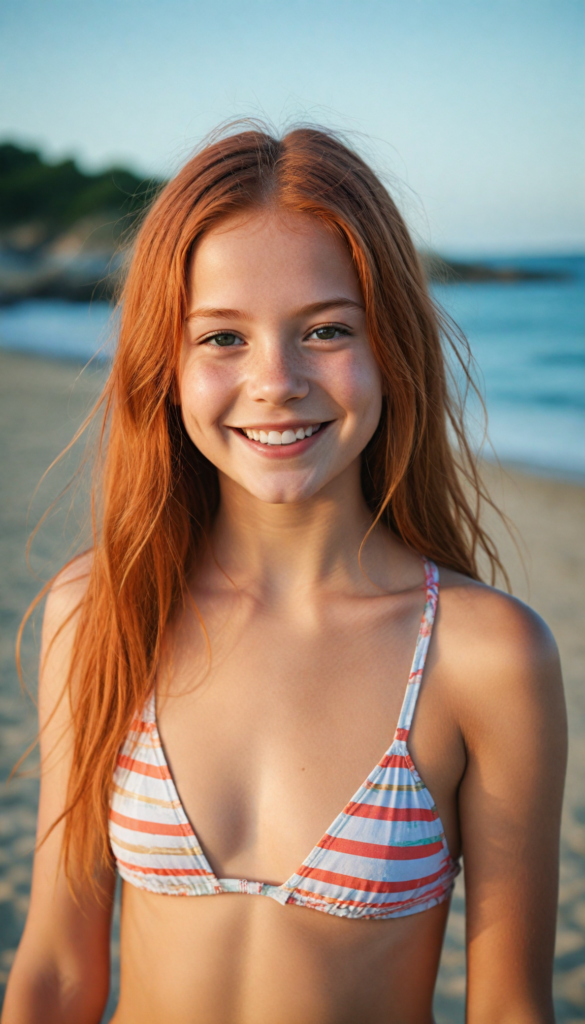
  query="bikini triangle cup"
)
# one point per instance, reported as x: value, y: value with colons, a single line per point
x: 385, y: 855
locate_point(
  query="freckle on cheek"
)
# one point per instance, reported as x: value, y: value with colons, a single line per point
x: 205, y: 395
x: 205, y: 384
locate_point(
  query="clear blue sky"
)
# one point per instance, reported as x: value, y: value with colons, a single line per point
x: 476, y: 107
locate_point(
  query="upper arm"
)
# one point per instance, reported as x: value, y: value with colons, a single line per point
x: 514, y: 728
x: 61, y: 970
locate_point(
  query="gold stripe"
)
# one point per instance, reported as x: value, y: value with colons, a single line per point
x: 134, y: 744
x: 146, y: 799
x: 171, y: 851
x: 397, y: 789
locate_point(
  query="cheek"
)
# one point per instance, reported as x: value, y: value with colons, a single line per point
x: 357, y: 385
x: 206, y: 393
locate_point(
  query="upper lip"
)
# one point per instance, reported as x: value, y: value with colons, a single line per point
x: 280, y: 427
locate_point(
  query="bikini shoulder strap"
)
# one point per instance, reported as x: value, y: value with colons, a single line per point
x: 149, y: 709
x: 420, y: 651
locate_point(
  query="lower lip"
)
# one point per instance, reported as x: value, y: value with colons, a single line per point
x: 282, y: 451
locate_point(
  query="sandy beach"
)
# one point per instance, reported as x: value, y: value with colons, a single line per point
x: 41, y: 404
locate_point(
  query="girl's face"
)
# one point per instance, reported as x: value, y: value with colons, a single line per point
x: 278, y: 383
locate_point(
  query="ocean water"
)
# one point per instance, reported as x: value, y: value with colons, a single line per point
x: 528, y: 343
x: 527, y: 339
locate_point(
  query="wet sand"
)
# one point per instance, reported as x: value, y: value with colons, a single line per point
x: 41, y: 403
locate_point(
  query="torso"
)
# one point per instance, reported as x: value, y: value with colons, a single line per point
x: 266, y: 746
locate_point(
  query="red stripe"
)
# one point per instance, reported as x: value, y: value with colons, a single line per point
x: 155, y: 771
x: 394, y: 761
x: 376, y: 850
x: 402, y: 734
x: 140, y: 725
x: 390, y: 813
x: 366, y: 884
x: 153, y: 827
x: 371, y: 907
x: 175, y: 872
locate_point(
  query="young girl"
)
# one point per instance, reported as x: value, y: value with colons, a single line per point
x: 275, y: 694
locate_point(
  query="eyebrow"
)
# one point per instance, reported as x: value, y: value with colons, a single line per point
x: 211, y: 313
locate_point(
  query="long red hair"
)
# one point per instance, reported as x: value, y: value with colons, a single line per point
x: 156, y: 495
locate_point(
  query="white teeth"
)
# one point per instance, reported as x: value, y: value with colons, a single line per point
x: 288, y: 436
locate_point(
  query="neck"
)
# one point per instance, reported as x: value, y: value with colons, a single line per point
x: 288, y: 551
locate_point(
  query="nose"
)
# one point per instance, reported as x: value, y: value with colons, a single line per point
x: 277, y: 374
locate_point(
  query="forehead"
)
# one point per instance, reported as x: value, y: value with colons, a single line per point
x: 270, y: 256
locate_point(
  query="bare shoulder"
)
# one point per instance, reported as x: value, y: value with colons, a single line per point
x: 496, y: 654
x: 60, y: 620
x: 481, y: 616
x: 67, y: 591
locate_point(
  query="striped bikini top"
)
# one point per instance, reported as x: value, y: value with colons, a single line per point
x: 384, y: 856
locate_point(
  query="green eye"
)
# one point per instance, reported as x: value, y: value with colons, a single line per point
x: 224, y: 340
x: 328, y: 332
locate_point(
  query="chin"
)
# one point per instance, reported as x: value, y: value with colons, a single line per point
x: 283, y: 492
x: 285, y: 496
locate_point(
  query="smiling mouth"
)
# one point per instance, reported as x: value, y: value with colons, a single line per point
x: 277, y: 437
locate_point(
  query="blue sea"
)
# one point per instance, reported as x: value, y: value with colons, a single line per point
x: 527, y: 339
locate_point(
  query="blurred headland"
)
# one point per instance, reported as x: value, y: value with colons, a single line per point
x: 64, y: 232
